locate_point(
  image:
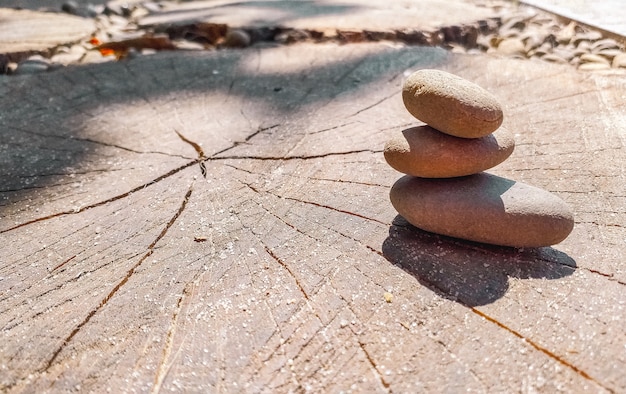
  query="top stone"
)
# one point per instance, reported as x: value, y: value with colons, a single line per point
x: 451, y: 104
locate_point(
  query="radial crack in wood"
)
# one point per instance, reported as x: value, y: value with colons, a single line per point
x: 300, y: 244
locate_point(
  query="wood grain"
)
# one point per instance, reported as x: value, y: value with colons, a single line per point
x: 220, y: 223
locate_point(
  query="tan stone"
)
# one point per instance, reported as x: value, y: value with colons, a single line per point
x: 553, y: 58
x: 594, y: 66
x: 484, y: 208
x: 451, y: 104
x: 591, y: 58
x: 425, y: 152
x: 512, y: 47
x: 607, y: 43
x: 619, y: 61
x: 609, y: 53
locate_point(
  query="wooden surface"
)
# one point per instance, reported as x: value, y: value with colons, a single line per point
x: 220, y: 222
x: 359, y: 15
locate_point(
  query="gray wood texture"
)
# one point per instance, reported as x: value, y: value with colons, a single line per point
x: 220, y: 222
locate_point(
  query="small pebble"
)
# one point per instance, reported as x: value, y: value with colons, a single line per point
x: 32, y: 66
x: 70, y: 7
x: 564, y: 53
x: 619, y: 61
x: 532, y: 40
x: 512, y: 47
x: 388, y: 297
x: 609, y: 53
x: 567, y: 34
x: 552, y: 58
x: 591, y: 58
x: 587, y: 36
x: 594, y: 66
x: 451, y: 104
x: 607, y: 43
x: 151, y: 6
x: 236, y: 38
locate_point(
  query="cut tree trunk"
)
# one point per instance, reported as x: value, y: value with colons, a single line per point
x: 220, y: 223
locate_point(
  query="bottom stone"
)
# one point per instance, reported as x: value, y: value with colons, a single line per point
x: 484, y: 208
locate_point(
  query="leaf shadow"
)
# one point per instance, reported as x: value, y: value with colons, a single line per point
x: 50, y: 142
x: 266, y: 14
x: 470, y: 273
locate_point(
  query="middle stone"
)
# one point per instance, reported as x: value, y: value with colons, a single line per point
x: 425, y: 152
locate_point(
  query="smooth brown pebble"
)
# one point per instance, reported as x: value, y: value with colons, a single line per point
x: 451, y: 104
x: 484, y: 208
x: 425, y: 152
x: 236, y: 39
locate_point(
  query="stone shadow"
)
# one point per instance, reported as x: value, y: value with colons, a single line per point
x: 470, y: 273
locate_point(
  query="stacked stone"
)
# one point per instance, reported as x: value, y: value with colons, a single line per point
x: 445, y: 190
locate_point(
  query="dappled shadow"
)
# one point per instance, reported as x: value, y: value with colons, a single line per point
x: 471, y: 273
x: 251, y: 13
x: 48, y: 5
x: 44, y: 138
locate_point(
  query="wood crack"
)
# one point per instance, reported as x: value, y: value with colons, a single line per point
x: 372, y: 363
x: 100, y: 203
x: 433, y: 286
x: 59, y: 286
x: 540, y: 348
x: 120, y: 284
x: 286, y: 267
x: 237, y: 143
x: 333, y: 128
x: 610, y: 276
x: 164, y: 368
x: 201, y: 157
x: 92, y: 141
x: 470, y: 370
x: 63, y: 263
x: 331, y: 208
x: 285, y: 158
x: 375, y: 104
x: 309, y: 177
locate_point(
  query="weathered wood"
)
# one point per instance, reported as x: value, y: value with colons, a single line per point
x: 124, y: 267
x: 331, y: 14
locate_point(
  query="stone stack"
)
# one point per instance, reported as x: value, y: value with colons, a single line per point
x: 445, y: 190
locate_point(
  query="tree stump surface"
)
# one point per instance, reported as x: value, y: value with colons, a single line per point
x: 359, y: 15
x: 220, y: 222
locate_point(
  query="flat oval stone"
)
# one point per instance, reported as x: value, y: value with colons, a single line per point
x: 423, y: 151
x: 451, y: 104
x: 484, y: 208
x: 619, y: 61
